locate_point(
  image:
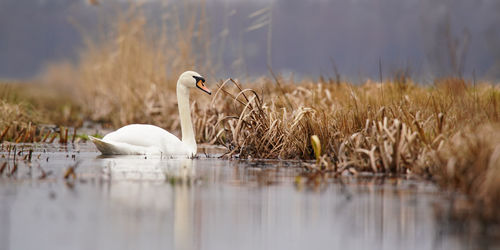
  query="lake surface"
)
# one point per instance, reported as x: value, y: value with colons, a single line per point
x: 137, y: 202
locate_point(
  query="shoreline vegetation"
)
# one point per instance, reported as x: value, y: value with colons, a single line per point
x: 447, y: 132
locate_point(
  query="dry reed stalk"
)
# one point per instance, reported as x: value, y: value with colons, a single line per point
x: 74, y: 135
x: 4, y: 132
x: 20, y: 135
x: 13, y: 170
x: 70, y: 172
x: 53, y: 138
x: 40, y: 135
x: 46, y: 136
x: 3, y: 167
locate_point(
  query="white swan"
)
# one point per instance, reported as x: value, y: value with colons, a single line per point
x: 138, y: 139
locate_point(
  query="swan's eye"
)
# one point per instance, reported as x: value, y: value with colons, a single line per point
x: 198, y: 79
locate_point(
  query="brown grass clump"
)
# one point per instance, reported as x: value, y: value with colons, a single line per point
x: 41, y: 103
x: 25, y: 107
x: 470, y: 163
x: 15, y: 118
x: 16, y: 114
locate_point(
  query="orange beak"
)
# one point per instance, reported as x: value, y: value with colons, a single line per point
x: 201, y: 85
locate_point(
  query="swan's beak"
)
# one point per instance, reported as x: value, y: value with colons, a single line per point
x: 201, y: 85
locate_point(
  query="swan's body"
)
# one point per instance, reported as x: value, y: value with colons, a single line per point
x: 142, y: 139
x: 150, y: 139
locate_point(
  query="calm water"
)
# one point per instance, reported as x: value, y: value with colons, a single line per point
x: 206, y: 203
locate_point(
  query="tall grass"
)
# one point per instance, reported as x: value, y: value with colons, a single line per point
x: 128, y: 74
x: 470, y: 163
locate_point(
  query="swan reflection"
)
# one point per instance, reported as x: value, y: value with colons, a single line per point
x: 142, y: 186
x: 147, y: 168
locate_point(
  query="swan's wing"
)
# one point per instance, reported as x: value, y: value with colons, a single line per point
x: 118, y: 148
x: 143, y: 135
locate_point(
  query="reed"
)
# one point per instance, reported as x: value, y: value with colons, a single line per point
x: 470, y: 163
x: 127, y: 75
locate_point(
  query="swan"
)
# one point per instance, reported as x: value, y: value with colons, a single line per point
x: 140, y: 139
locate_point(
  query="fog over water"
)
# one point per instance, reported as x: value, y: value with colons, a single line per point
x: 425, y: 38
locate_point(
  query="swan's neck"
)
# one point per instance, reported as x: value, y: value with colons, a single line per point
x: 185, y: 114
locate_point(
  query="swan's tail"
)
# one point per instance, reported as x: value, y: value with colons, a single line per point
x: 104, y: 147
x: 120, y: 148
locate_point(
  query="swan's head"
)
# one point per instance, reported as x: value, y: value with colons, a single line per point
x: 192, y: 79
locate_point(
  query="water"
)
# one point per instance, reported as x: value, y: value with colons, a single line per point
x: 135, y: 202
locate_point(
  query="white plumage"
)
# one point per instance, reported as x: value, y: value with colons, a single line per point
x: 140, y: 139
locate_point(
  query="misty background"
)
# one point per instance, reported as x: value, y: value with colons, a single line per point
x: 358, y: 38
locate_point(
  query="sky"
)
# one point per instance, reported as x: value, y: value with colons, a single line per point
x: 360, y: 38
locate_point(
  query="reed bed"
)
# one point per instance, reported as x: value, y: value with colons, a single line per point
x: 346, y: 117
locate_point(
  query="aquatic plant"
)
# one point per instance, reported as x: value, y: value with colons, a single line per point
x: 470, y: 163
